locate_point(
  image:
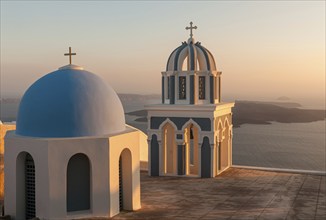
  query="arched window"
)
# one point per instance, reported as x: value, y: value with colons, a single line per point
x: 78, y: 183
x: 182, y: 87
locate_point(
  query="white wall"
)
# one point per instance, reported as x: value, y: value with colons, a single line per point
x: 51, y: 157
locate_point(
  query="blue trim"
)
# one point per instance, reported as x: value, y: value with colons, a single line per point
x: 192, y: 56
x: 176, y: 58
x: 205, y: 54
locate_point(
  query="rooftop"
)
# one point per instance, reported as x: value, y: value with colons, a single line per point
x: 236, y: 194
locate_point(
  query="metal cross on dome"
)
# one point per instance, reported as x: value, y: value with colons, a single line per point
x: 191, y: 27
x: 69, y: 54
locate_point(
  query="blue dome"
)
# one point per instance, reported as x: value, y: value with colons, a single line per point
x: 70, y: 102
x: 197, y: 56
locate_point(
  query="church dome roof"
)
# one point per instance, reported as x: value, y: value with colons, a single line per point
x: 70, y: 102
x: 198, y: 57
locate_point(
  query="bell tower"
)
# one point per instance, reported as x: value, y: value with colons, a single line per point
x: 187, y: 130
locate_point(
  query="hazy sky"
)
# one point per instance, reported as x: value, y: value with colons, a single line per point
x: 265, y: 49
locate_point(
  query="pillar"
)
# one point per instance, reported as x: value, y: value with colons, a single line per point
x: 163, y: 91
x: 172, y: 89
x: 192, y: 89
x: 211, y: 89
x: 155, y: 156
x: 181, y: 159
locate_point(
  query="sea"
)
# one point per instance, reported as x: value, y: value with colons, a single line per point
x: 298, y: 146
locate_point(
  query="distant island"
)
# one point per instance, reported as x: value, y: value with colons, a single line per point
x: 251, y: 112
x: 283, y: 98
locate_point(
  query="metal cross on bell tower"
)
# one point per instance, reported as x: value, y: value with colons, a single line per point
x: 69, y: 54
x: 191, y: 27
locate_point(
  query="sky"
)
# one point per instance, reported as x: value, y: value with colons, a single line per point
x: 265, y: 49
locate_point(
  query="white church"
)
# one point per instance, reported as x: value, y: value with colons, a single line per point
x: 73, y: 156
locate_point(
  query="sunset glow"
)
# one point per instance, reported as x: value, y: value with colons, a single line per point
x: 264, y: 49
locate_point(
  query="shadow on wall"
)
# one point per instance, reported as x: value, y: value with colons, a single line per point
x: 143, y: 151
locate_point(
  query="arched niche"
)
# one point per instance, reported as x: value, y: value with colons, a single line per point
x: 78, y: 183
x: 125, y: 180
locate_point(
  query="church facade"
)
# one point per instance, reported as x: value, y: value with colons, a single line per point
x: 190, y: 132
x: 71, y: 155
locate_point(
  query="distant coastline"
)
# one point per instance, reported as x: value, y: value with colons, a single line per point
x: 244, y: 112
x: 251, y: 112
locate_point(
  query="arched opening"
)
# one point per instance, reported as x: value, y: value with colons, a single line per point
x: 25, y: 186
x: 78, y: 183
x: 225, y: 147
x: 154, y: 156
x: 191, y: 139
x: 125, y: 180
x: 169, y: 151
x: 185, y: 64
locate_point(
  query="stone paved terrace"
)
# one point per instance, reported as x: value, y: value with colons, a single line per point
x: 236, y: 194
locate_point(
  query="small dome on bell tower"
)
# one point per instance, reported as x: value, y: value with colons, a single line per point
x: 191, y: 75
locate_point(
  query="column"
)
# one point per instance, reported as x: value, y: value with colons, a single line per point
x: 219, y: 89
x: 181, y: 159
x: 211, y: 89
x: 192, y: 89
x: 230, y: 146
x: 206, y: 161
x: 163, y: 95
x: 218, y: 156
x: 172, y: 89
x: 155, y: 156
